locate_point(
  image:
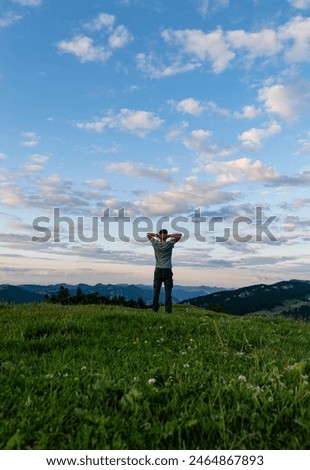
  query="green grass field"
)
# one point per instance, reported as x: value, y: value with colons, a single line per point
x: 91, y: 377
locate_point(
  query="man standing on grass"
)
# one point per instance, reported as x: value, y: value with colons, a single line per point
x: 163, y: 268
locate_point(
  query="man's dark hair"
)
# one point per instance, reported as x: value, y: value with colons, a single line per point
x: 163, y: 231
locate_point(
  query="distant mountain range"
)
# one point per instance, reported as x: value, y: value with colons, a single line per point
x: 28, y: 293
x: 290, y: 298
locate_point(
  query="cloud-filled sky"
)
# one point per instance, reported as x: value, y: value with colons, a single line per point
x: 191, y: 115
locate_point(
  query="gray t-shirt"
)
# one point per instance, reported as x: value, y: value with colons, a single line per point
x: 163, y: 252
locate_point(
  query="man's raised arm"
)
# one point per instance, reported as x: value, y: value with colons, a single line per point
x: 176, y: 236
x: 151, y: 235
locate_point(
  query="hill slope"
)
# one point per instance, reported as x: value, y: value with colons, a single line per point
x: 261, y: 298
x: 16, y: 294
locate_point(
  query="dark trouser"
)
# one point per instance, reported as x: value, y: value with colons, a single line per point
x: 162, y: 275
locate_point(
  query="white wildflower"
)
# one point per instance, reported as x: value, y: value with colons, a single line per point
x: 242, y: 378
x: 254, y: 388
x: 151, y: 381
x: 28, y: 401
x: 298, y: 366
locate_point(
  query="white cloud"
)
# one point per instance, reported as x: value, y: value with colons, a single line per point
x: 32, y: 167
x: 288, y: 101
x: 203, y: 46
x: 213, y: 108
x: 28, y: 3
x: 304, y: 146
x: 51, y: 180
x: 292, y: 38
x: 9, y: 18
x: 120, y: 37
x: 138, y: 122
x: 300, y: 4
x: 39, y: 158
x: 83, y: 48
x: 11, y: 194
x: 98, y: 183
x: 97, y: 125
x: 247, y: 112
x: 196, y: 108
x: 301, y: 179
x: 175, y: 132
x: 2, y: 156
x: 199, y: 141
x: 55, y: 191
x: 262, y: 43
x: 30, y: 139
x: 297, y: 30
x: 190, y: 106
x: 241, y: 169
x: 152, y: 66
x: 301, y: 203
x: 36, y: 163
x: 204, y: 7
x: 193, y: 47
x: 113, y: 149
x: 253, y: 137
x: 139, y: 170
x: 135, y: 121
x: 103, y: 20
x: 188, y: 194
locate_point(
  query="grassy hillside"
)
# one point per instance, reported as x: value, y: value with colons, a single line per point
x: 274, y: 298
x: 90, y: 377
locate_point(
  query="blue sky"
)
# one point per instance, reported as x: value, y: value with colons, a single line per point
x: 156, y: 109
